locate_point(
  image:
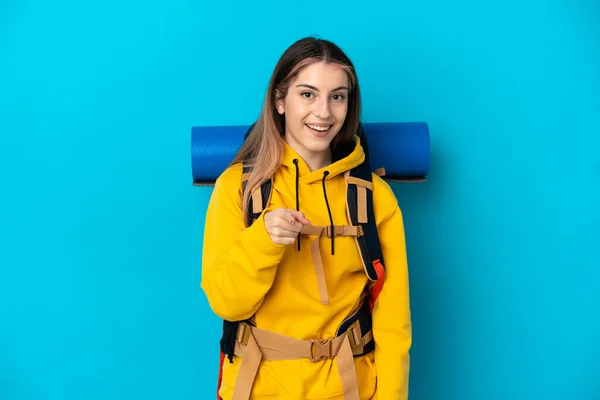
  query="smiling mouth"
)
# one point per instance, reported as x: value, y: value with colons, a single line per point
x: 319, y: 128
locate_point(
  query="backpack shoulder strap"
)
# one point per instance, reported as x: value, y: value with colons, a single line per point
x: 359, y: 203
x: 260, y: 198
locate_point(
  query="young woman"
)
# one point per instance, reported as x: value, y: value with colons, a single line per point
x: 283, y: 274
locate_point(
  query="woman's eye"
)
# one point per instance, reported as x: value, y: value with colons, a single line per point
x: 338, y: 97
x: 307, y: 95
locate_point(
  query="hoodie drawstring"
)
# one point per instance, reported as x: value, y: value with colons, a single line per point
x: 297, y: 194
x: 328, y: 210
x: 325, y: 174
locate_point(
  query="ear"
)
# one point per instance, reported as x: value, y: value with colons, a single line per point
x: 279, y: 103
x: 279, y: 106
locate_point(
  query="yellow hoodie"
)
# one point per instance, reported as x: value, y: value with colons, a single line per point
x: 245, y: 274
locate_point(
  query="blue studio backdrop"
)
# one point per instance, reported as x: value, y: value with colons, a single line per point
x: 101, y: 228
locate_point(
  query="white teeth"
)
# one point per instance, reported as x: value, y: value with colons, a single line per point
x: 318, y: 128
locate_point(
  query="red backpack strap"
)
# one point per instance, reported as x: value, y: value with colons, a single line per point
x: 220, y: 378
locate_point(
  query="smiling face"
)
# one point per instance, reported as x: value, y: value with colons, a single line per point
x: 315, y: 109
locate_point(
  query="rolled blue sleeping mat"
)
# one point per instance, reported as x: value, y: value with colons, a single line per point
x: 401, y: 148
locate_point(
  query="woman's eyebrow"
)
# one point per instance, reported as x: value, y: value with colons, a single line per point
x: 316, y: 90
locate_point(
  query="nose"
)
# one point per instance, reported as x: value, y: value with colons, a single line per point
x: 322, y: 108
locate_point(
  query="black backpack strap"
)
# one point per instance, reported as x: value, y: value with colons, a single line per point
x: 359, y: 325
x: 260, y: 198
x: 360, y: 209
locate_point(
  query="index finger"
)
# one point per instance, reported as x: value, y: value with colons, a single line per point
x: 290, y: 222
x: 299, y: 216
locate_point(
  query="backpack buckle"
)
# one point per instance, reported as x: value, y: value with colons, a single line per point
x: 345, y: 230
x: 360, y: 231
x: 320, y: 349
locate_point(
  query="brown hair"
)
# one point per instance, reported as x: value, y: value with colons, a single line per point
x: 263, y: 148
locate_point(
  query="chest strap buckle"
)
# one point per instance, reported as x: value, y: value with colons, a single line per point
x: 320, y: 349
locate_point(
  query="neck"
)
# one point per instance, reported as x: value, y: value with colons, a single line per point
x: 318, y: 160
x: 314, y: 159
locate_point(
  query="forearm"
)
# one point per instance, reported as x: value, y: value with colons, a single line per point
x: 238, y: 272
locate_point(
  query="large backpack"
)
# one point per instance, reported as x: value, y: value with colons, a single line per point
x: 359, y: 203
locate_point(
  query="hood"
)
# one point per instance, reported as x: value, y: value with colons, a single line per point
x: 343, y: 160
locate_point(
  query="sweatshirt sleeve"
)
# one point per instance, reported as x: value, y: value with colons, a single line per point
x: 238, y: 263
x: 392, y: 327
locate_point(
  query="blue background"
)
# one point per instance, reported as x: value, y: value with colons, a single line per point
x: 101, y: 230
